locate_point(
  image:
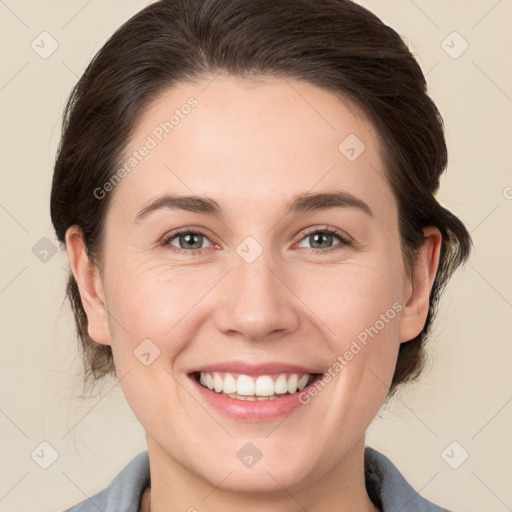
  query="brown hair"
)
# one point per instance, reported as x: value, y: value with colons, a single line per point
x: 333, y: 44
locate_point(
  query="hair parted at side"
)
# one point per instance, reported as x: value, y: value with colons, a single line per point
x: 333, y: 44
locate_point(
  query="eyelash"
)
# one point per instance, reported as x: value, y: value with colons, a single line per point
x: 338, y: 234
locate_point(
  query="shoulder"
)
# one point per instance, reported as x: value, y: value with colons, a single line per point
x: 386, y: 484
x: 124, y: 492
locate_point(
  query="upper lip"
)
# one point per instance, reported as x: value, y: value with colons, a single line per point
x: 247, y: 368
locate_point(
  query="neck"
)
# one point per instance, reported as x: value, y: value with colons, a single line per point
x: 341, y: 488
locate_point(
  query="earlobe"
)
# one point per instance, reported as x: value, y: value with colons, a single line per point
x: 87, y: 277
x: 416, y: 302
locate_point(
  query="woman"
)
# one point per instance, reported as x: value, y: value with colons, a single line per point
x: 245, y: 190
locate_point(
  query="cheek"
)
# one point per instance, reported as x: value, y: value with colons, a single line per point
x: 343, y: 301
x: 359, y: 306
x: 150, y: 304
x: 353, y: 299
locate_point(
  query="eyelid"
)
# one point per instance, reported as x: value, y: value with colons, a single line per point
x: 345, y: 239
x: 165, y: 240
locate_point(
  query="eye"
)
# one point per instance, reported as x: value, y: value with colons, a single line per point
x: 324, y: 236
x: 192, y: 241
x: 188, y: 241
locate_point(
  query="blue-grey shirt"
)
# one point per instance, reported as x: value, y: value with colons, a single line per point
x: 386, y: 487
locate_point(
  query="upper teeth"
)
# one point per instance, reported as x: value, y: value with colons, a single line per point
x: 262, y: 385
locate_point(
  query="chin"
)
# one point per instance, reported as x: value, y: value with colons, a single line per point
x: 262, y: 482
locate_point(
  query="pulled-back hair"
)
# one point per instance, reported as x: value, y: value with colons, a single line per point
x: 336, y: 45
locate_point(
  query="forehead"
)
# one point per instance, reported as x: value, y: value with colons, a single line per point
x: 253, y: 142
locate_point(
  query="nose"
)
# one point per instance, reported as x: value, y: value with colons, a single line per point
x: 256, y: 302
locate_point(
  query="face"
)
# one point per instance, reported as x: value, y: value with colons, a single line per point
x: 252, y: 279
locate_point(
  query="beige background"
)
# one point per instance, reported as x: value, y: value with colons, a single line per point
x: 465, y: 394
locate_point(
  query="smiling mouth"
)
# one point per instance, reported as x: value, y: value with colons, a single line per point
x: 255, y: 388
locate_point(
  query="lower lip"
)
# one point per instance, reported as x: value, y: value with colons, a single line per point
x: 248, y: 410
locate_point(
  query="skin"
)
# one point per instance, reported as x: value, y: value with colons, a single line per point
x: 252, y: 147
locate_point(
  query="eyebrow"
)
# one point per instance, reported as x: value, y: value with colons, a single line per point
x: 301, y: 203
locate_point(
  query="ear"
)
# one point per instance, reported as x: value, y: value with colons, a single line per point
x: 89, y: 283
x: 419, y: 285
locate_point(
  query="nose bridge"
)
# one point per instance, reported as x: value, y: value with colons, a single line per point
x: 257, y: 302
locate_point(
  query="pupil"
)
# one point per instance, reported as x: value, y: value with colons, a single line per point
x: 321, y: 236
x: 189, y: 240
x: 318, y: 238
